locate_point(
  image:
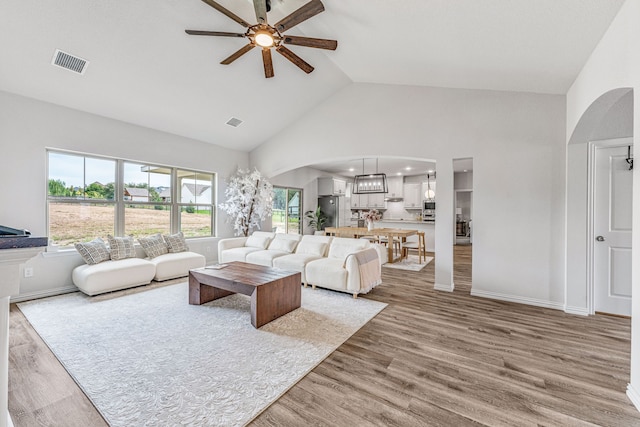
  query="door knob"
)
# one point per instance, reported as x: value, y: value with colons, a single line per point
x: 600, y: 239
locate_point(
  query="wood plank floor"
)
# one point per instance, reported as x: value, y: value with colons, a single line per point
x: 429, y: 358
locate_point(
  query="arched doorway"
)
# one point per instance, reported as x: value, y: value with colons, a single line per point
x: 608, y: 117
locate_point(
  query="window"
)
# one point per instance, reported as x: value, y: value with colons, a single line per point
x: 91, y: 197
x: 196, y: 202
x: 287, y: 207
x: 81, y: 198
x: 145, y: 211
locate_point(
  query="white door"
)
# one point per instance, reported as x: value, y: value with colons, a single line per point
x: 612, y: 231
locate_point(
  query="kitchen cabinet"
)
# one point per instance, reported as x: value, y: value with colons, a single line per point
x: 412, y: 196
x: 356, y: 201
x: 331, y: 187
x: 367, y: 201
x: 375, y: 200
x: 394, y: 186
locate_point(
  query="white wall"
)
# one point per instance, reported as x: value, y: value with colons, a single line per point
x: 516, y: 141
x: 614, y: 64
x: 28, y: 127
x: 305, y: 178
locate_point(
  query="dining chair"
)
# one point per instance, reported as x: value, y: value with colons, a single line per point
x: 419, y: 245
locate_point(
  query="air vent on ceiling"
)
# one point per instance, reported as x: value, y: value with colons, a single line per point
x: 234, y: 122
x: 69, y: 62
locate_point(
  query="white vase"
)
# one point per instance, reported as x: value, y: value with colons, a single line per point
x: 369, y: 225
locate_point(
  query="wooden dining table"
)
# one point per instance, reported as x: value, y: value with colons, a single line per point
x: 389, y: 233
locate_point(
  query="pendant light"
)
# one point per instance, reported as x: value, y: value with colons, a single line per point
x: 429, y: 195
x: 373, y: 183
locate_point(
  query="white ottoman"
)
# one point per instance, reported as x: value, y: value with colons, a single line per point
x: 172, y: 265
x: 110, y: 276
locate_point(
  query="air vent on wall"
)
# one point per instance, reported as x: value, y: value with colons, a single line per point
x: 234, y: 122
x: 69, y: 62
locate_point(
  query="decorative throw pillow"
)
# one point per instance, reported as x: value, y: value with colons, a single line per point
x: 176, y: 243
x: 93, y: 252
x: 154, y: 245
x: 312, y: 248
x: 121, y: 247
x: 283, y: 245
x: 260, y: 242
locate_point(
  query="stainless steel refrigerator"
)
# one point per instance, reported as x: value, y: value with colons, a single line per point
x: 332, y: 207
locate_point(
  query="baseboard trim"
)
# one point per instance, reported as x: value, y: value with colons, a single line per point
x: 633, y: 396
x: 443, y: 288
x: 44, y: 294
x: 517, y: 299
x: 581, y: 311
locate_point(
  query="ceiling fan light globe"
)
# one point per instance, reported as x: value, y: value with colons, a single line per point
x: 264, y: 39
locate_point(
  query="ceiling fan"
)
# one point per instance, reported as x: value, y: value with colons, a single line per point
x: 268, y: 36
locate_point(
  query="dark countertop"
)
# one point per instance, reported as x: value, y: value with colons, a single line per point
x: 22, y: 242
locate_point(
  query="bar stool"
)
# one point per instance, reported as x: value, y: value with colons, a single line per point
x: 420, y: 246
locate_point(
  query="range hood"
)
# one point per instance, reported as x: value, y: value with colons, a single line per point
x: 394, y: 199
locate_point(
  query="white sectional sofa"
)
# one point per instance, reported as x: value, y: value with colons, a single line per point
x: 173, y: 265
x: 329, y: 262
x: 111, y: 276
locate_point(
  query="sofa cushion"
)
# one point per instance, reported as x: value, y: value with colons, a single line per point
x: 258, y: 241
x: 264, y: 257
x: 327, y: 273
x: 172, y: 265
x: 295, y: 262
x: 121, y: 247
x: 154, y: 245
x: 113, y: 275
x: 312, y: 248
x: 93, y: 252
x: 283, y: 245
x: 341, y: 247
x: 236, y: 254
x: 175, y: 243
x: 314, y: 245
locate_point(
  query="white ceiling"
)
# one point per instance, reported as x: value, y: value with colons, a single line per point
x: 145, y: 70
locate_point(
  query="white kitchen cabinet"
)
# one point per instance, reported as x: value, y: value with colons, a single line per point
x: 356, y: 201
x: 331, y: 187
x: 367, y: 201
x: 375, y: 200
x: 412, y: 197
x: 394, y: 185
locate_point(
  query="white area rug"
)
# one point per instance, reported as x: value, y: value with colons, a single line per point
x: 409, y: 263
x: 151, y: 359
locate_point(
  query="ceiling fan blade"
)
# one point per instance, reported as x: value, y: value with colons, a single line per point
x: 261, y: 10
x: 227, y: 12
x: 238, y: 54
x: 213, y: 33
x: 295, y: 59
x: 311, y: 42
x: 268, y: 63
x: 307, y: 11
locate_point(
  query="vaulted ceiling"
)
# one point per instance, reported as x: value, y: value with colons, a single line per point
x: 145, y: 70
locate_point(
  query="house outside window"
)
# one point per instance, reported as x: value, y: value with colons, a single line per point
x: 91, y: 197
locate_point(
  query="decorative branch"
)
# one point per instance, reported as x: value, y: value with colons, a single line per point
x: 248, y: 202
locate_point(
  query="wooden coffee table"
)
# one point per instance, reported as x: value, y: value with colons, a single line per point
x: 273, y: 292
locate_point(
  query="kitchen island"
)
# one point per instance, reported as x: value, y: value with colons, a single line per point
x: 407, y: 224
